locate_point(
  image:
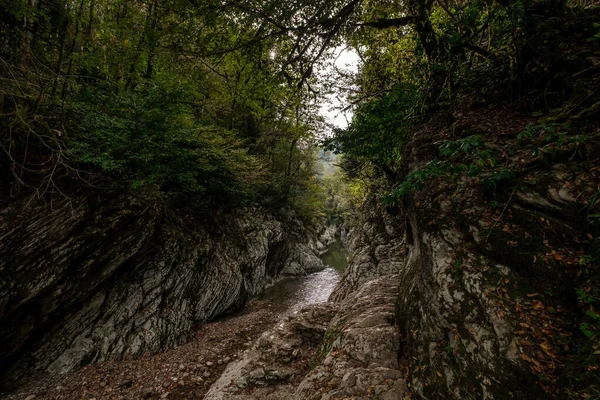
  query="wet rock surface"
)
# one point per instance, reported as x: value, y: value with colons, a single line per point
x: 278, y: 358
x: 358, y: 357
x: 327, y: 351
x: 336, y: 350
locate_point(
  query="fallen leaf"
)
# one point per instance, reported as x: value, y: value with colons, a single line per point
x: 548, y: 350
x: 538, y: 305
x: 525, y: 357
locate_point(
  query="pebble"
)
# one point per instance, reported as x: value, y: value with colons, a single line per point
x: 126, y: 384
x: 257, y: 373
x: 191, y: 367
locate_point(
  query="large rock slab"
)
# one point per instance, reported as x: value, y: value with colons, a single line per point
x: 359, y: 356
x: 377, y: 248
x: 326, y: 351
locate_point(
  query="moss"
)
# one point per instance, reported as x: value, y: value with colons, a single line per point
x: 332, y: 334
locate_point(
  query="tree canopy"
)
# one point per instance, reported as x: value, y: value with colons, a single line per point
x: 214, y: 104
x: 185, y: 98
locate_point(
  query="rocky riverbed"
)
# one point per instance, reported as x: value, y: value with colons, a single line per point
x: 292, y: 343
x: 187, y: 371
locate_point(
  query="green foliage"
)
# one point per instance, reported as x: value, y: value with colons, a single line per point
x: 449, y: 350
x: 378, y: 126
x: 495, y: 178
x: 170, y: 96
x: 416, y: 180
x: 596, y: 36
x: 466, y: 145
x: 584, y: 296
x: 151, y: 140
x: 467, y: 156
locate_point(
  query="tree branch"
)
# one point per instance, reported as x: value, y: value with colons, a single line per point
x: 482, y: 52
x: 383, y: 23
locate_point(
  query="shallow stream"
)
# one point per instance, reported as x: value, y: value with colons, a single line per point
x: 225, y: 338
x: 293, y: 293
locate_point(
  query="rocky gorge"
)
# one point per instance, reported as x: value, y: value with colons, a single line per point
x: 432, y: 304
x: 315, y: 199
x: 108, y: 277
x: 444, y: 296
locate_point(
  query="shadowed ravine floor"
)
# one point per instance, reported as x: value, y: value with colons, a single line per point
x: 187, y: 371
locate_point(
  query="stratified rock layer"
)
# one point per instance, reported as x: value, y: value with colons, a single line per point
x: 100, y: 277
x: 346, y: 348
x: 353, y: 346
x: 487, y: 289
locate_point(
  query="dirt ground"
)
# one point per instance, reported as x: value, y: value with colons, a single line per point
x: 184, y: 372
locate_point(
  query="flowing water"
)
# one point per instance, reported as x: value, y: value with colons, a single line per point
x: 336, y: 257
x: 237, y: 330
x: 294, y: 293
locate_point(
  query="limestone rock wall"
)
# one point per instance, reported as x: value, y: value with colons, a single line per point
x: 487, y: 301
x: 377, y: 248
x: 334, y: 350
x: 98, y: 277
x: 345, y: 348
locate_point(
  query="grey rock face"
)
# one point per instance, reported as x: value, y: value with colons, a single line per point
x: 471, y: 302
x: 459, y: 337
x: 353, y: 344
x: 270, y: 365
x: 327, y: 237
x: 376, y: 246
x: 97, y: 278
x: 352, y: 341
x: 359, y: 356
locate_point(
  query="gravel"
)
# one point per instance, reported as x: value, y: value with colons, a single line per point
x: 184, y: 372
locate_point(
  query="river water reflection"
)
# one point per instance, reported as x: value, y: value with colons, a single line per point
x: 293, y: 293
